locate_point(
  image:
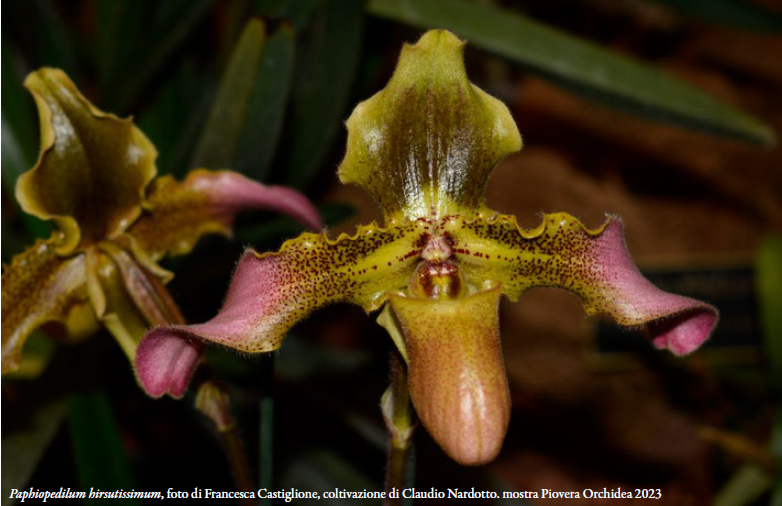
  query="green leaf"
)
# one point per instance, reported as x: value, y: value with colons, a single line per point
x: 23, y: 450
x: 266, y: 427
x: 15, y: 163
x: 609, y: 77
x: 768, y: 280
x: 775, y: 445
x: 329, y: 60
x: 296, y: 12
x: 19, y: 146
x: 743, y: 488
x: 56, y: 39
x: 13, y: 159
x: 119, y: 23
x: 100, y: 459
x: 731, y: 13
x: 18, y: 115
x: 174, y: 117
x: 220, y: 137
x: 776, y: 495
x: 173, y: 21
x: 266, y: 108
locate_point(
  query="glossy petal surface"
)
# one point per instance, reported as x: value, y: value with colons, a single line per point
x: 456, y: 372
x: 93, y: 166
x: 39, y: 286
x: 112, y: 301
x: 179, y: 213
x: 426, y: 143
x: 270, y: 293
x: 593, y: 264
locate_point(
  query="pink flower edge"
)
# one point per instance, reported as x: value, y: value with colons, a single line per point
x: 234, y: 192
x: 674, y: 322
x: 165, y: 362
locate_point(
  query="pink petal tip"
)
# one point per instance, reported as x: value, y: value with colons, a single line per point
x: 165, y: 362
x: 680, y: 324
x: 234, y: 193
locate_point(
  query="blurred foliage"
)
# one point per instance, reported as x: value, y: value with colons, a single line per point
x: 583, y: 67
x: 263, y: 87
x: 97, y: 447
x: 769, y: 283
x: 25, y: 447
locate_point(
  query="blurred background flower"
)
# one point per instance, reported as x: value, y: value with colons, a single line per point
x: 695, y: 179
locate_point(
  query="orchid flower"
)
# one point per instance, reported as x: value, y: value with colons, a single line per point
x: 424, y: 148
x: 94, y: 179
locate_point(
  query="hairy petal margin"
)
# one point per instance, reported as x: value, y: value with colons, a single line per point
x: 593, y: 264
x: 270, y: 293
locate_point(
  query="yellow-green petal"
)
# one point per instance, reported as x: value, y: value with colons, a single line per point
x: 113, y: 304
x: 426, y: 144
x: 456, y: 372
x: 92, y: 169
x: 38, y: 287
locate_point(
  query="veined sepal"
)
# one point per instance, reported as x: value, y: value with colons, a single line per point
x: 426, y: 144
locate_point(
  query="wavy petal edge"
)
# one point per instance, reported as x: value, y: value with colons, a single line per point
x: 595, y: 264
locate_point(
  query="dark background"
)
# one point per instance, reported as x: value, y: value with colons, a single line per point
x: 588, y: 411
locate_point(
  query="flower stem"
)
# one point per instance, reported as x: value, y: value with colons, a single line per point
x: 398, y: 415
x: 266, y: 425
x: 213, y: 401
x: 154, y: 302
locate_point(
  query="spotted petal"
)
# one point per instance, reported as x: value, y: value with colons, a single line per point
x: 179, y: 213
x: 269, y: 293
x: 93, y: 166
x: 456, y: 372
x: 593, y: 264
x: 426, y: 144
x: 38, y: 287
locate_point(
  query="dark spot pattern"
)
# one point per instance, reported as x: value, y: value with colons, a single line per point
x: 270, y: 293
x: 38, y: 286
x: 559, y: 253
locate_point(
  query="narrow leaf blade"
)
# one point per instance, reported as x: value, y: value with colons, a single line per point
x: 730, y: 13
x: 266, y: 108
x: 220, y: 137
x: 323, y: 86
x: 100, y: 460
x: 575, y: 62
x: 158, y: 51
x: 23, y: 450
x: 768, y: 279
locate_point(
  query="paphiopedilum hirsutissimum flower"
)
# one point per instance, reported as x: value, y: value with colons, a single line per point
x: 424, y: 148
x: 94, y: 179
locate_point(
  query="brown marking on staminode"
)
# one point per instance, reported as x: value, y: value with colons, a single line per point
x: 436, y: 280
